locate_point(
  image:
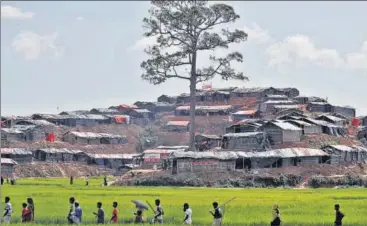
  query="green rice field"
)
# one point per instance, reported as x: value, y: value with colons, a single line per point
x: 298, y: 207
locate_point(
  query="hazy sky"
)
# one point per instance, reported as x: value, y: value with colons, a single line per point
x: 81, y: 55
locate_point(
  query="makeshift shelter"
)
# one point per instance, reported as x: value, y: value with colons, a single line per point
x: 245, y: 125
x: 246, y: 141
x: 280, y: 132
x: 183, y: 162
x: 339, y: 154
x: 307, y: 128
x: 59, y: 155
x: 7, y: 167
x: 74, y: 137
x: 154, y: 157
x: 258, y: 92
x: 346, y: 111
x: 275, y: 97
x: 332, y: 119
x: 280, y: 158
x: 268, y: 106
x: 327, y: 128
x: 156, y: 107
x: 319, y: 107
x: 205, y: 110
x: 206, y: 142
x: 113, y: 161
x: 177, y: 126
x: 244, y: 114
x: 23, y: 133
x: 19, y: 155
x: 104, y: 111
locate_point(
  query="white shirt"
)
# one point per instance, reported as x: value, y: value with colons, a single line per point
x: 159, y: 209
x: 188, y: 213
x: 9, y: 208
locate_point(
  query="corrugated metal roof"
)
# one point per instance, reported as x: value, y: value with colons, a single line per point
x: 294, y: 106
x: 247, y: 134
x: 94, y: 135
x: 250, y: 90
x: 345, y: 148
x: 16, y: 151
x: 303, y: 123
x: 331, y: 117
x: 159, y: 151
x: 183, y: 147
x: 112, y: 156
x: 208, y: 108
x: 105, y: 110
x: 284, y: 125
x: 279, y: 102
x: 8, y: 161
x: 60, y: 150
x: 284, y: 153
x: 11, y: 130
x: 204, y: 155
x: 321, y: 123
x: 178, y: 123
x: 276, y: 96
x: 40, y: 122
x: 214, y: 137
x: 141, y: 110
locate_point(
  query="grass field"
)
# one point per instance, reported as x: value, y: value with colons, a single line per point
x: 306, y: 207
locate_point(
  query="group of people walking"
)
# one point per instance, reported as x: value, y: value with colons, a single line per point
x: 27, y: 214
x: 75, y: 213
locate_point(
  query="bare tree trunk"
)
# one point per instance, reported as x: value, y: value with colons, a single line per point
x: 192, y: 103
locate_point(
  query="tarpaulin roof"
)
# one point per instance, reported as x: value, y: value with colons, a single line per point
x: 128, y: 106
x: 204, y: 155
x: 94, y: 135
x: 8, y: 161
x: 178, y: 123
x: 16, y: 151
x: 245, y: 112
x: 279, y: 102
x: 112, y: 156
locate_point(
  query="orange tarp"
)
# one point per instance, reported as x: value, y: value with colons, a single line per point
x: 120, y: 119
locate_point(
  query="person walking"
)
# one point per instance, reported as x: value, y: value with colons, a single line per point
x: 78, y: 213
x: 338, y: 215
x: 8, y: 210
x: 105, y: 181
x: 276, y: 216
x: 87, y: 180
x: 115, y: 213
x: 158, y: 218
x: 2, y: 180
x: 217, y: 214
x: 31, y: 208
x: 71, y: 213
x: 99, y: 214
x: 26, y: 213
x: 188, y: 214
x: 71, y: 180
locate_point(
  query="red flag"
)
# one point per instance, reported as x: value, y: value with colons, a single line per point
x: 206, y: 86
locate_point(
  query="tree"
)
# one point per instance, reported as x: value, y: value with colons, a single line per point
x: 183, y: 29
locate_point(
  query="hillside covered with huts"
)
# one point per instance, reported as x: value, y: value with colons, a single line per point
x: 237, y: 129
